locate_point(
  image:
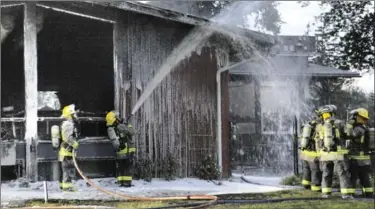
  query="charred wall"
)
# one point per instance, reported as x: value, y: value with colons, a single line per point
x: 180, y: 115
x: 12, y: 63
x: 75, y: 58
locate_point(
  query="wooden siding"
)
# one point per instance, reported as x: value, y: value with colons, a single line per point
x: 180, y: 115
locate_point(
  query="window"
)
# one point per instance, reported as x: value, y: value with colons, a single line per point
x: 242, y: 100
x: 286, y: 48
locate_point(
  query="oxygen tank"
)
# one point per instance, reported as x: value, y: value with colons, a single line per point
x: 306, y: 134
x: 372, y: 139
x: 327, y: 135
x: 55, y: 136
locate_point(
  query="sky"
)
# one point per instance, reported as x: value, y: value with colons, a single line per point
x: 296, y: 19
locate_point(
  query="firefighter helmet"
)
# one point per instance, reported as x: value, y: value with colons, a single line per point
x: 110, y: 118
x: 68, y: 111
x: 362, y: 112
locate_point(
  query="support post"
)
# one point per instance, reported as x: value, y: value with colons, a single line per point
x: 31, y: 88
x: 121, y: 67
x: 117, y: 65
x: 219, y: 125
x: 295, y: 147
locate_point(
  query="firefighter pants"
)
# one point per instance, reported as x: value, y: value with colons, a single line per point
x: 124, y: 172
x: 363, y: 172
x: 312, y: 175
x: 342, y: 169
x: 68, y: 173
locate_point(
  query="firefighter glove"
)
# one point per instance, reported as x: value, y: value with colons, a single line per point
x: 348, y: 128
x: 75, y: 145
x: 116, y: 145
x: 351, y: 122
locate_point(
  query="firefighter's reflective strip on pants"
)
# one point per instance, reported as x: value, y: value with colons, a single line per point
x: 126, y: 151
x: 124, y: 178
x: 326, y: 190
x: 315, y: 188
x: 306, y: 183
x: 64, y: 153
x: 65, y: 185
x: 347, y: 191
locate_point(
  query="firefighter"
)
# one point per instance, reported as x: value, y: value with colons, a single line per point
x: 69, y: 142
x: 333, y: 153
x: 360, y: 162
x: 120, y: 133
x: 311, y: 171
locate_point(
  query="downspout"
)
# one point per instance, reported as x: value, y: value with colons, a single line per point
x: 218, y: 111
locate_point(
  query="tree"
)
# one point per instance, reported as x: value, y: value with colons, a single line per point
x: 371, y: 108
x: 325, y: 88
x: 345, y: 41
x: 265, y: 13
x: 347, y: 31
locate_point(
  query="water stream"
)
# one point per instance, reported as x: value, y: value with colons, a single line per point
x: 191, y: 43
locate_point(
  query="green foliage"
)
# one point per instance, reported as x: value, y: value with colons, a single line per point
x: 291, y: 180
x: 371, y: 109
x: 208, y: 170
x: 144, y: 168
x: 169, y: 167
x: 347, y: 33
x: 345, y: 40
x: 346, y: 100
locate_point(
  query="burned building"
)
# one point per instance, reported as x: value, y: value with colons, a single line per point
x: 101, y: 56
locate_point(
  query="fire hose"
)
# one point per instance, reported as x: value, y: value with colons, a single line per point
x: 213, y: 199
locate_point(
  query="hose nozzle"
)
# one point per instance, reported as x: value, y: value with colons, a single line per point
x: 128, y: 118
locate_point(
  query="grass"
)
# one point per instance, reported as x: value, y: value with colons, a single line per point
x: 326, y: 204
x: 291, y: 180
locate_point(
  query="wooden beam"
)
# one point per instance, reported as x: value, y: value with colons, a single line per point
x: 225, y: 124
x: 120, y: 64
x: 258, y: 108
x: 124, y: 75
x: 31, y: 88
x: 7, y: 4
x: 117, y: 65
x: 83, y: 9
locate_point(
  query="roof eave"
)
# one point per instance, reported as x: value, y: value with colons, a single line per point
x: 183, y: 18
x: 325, y: 75
x: 154, y: 11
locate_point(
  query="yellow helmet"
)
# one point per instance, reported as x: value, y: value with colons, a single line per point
x: 363, y: 113
x: 68, y: 111
x: 111, y: 117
